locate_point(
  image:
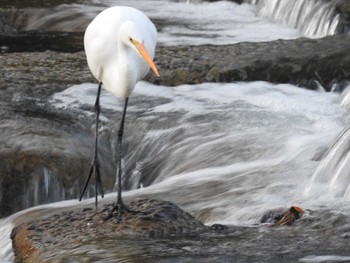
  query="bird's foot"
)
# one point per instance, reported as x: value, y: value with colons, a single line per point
x: 94, y: 170
x: 121, y: 209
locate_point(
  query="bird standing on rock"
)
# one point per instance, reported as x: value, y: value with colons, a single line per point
x: 120, y: 45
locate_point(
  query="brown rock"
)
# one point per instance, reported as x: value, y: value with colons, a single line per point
x: 23, y: 247
x: 35, y: 241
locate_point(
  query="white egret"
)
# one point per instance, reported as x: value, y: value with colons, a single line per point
x: 119, y: 45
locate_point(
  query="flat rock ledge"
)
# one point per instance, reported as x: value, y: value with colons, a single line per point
x: 153, y: 219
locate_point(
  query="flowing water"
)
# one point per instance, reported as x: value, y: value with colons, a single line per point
x: 332, y: 174
x: 197, y: 22
x: 181, y: 23
x: 226, y: 153
x: 314, y: 18
x: 215, y: 143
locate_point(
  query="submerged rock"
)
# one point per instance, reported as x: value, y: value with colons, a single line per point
x: 282, y: 216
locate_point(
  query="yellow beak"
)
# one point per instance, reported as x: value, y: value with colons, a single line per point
x: 140, y: 47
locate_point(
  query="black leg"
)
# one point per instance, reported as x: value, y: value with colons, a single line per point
x: 95, y: 166
x: 119, y: 206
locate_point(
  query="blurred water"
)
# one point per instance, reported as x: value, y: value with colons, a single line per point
x: 255, y: 143
x: 178, y: 23
x: 332, y: 174
x: 314, y: 18
x: 226, y: 153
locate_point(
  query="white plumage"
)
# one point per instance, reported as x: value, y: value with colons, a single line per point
x: 119, y: 45
x: 112, y: 58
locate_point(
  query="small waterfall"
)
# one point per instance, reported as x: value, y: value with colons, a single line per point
x: 314, y: 18
x: 43, y: 187
x: 65, y: 18
x: 345, y: 97
x: 332, y: 174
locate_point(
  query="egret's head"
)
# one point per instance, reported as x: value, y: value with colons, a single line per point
x: 133, y: 39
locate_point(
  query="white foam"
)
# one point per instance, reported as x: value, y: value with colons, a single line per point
x: 196, y: 23
x: 216, y: 23
x: 278, y: 98
x: 252, y: 140
x: 313, y: 18
x: 324, y: 258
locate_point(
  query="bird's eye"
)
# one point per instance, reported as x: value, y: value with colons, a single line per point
x: 130, y: 39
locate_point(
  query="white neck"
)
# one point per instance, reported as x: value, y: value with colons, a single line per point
x: 120, y: 77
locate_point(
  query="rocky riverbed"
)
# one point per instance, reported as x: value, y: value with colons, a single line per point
x: 38, y: 139
x: 302, y: 61
x: 159, y: 231
x: 148, y: 218
x: 40, y: 142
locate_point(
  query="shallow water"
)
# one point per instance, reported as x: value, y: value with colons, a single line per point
x: 178, y: 23
x: 312, y: 18
x: 226, y: 153
x: 256, y: 143
x: 332, y: 174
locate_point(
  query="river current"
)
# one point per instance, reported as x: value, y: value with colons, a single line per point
x: 226, y: 153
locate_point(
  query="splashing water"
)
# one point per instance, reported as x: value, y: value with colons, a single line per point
x: 215, y: 143
x: 178, y: 23
x: 226, y: 153
x: 313, y: 18
x: 332, y: 175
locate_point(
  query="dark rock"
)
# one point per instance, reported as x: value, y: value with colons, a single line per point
x: 5, y: 26
x: 343, y: 9
x: 36, y: 3
x: 97, y: 240
x: 273, y: 216
x: 39, y: 144
x: 282, y: 216
x: 142, y: 223
x: 302, y: 62
x: 237, y: 1
x: 219, y: 227
x: 32, y: 41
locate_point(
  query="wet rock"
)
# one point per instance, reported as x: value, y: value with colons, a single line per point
x: 282, y: 216
x: 219, y: 227
x: 22, y: 243
x: 5, y: 26
x: 36, y: 3
x: 34, y: 175
x: 32, y: 41
x: 305, y: 62
x: 237, y: 1
x: 273, y: 216
x: 302, y: 62
x: 323, y: 230
x: 343, y: 9
x: 44, y: 151
x: 150, y: 218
